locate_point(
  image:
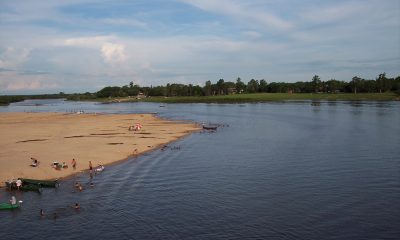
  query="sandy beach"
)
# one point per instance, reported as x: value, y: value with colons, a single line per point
x: 99, y: 138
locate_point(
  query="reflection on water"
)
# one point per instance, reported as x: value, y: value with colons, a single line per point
x: 279, y: 171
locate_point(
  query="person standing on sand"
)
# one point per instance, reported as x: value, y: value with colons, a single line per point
x: 73, y: 163
x: 90, y: 167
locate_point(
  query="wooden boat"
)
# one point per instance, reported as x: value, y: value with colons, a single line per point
x: 210, y: 127
x: 12, y: 185
x: 42, y: 183
x: 9, y: 206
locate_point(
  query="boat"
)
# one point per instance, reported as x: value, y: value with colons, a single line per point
x: 210, y: 127
x: 9, y: 206
x: 12, y: 185
x: 42, y: 183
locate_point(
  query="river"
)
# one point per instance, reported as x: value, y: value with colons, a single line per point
x: 287, y: 170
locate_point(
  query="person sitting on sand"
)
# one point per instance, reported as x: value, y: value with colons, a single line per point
x: 64, y: 165
x: 35, y: 162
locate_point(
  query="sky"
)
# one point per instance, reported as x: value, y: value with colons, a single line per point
x: 72, y: 46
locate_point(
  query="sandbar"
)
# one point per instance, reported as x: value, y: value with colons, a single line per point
x: 99, y: 138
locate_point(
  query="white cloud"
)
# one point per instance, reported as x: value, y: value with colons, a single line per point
x: 125, y: 22
x: 14, y: 81
x: 86, y: 42
x: 12, y: 57
x: 242, y: 11
x: 113, y: 53
x: 252, y: 34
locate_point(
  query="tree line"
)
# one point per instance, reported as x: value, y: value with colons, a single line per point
x: 222, y: 87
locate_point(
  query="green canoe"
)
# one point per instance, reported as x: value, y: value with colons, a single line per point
x: 6, y: 206
x: 42, y: 183
x: 11, y: 185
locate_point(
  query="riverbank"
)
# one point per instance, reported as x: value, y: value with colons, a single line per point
x: 261, y: 97
x: 99, y: 138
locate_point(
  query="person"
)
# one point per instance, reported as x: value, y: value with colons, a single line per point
x: 41, y: 212
x: 73, y: 162
x: 13, y: 200
x: 64, y: 165
x: 34, y: 162
x: 90, y: 166
x: 18, y: 183
x: 79, y: 186
x: 76, y: 206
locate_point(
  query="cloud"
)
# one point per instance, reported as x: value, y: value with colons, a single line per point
x: 113, y: 53
x: 252, y: 34
x: 13, y: 81
x: 192, y: 41
x: 86, y: 42
x: 12, y: 57
x: 243, y: 12
x: 125, y: 22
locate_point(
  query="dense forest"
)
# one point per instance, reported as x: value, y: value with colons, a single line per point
x: 222, y: 87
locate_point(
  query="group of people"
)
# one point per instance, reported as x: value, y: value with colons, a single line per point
x: 77, y: 185
x: 135, y: 127
x: 55, y: 165
x: 76, y: 206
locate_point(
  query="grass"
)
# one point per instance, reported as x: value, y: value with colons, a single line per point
x: 268, y: 97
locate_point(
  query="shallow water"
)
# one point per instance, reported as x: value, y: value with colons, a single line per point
x: 274, y: 171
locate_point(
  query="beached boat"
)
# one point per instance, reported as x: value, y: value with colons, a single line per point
x: 210, y: 127
x: 42, y: 183
x: 9, y: 206
x: 12, y: 185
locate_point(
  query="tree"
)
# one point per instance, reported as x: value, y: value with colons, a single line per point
x: 263, y: 86
x: 221, y: 86
x: 380, y: 82
x: 316, y: 83
x: 253, y: 86
x: 354, y: 83
x: 240, y: 86
x: 207, y: 88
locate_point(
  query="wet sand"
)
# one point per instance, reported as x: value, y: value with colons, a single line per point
x: 99, y: 138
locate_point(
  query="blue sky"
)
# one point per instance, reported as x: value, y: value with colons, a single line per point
x: 76, y: 46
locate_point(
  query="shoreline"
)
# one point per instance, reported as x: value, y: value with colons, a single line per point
x: 100, y: 138
x: 130, y: 157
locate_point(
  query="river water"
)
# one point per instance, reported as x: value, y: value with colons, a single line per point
x: 290, y: 170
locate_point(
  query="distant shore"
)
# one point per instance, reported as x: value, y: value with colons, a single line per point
x: 260, y: 97
x: 99, y: 138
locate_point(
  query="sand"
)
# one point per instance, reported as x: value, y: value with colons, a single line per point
x: 99, y: 138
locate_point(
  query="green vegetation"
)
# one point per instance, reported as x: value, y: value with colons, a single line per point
x: 222, y: 90
x: 7, y: 99
x: 382, y: 88
x: 266, y: 97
